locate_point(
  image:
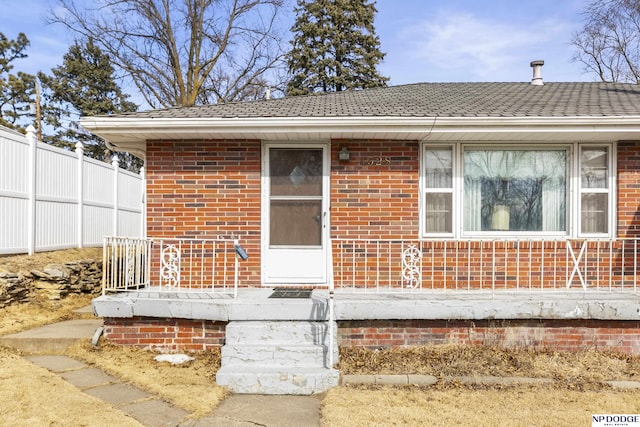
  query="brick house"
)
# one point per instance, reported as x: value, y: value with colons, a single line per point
x: 495, y: 213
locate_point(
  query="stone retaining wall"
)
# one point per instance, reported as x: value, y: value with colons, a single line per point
x: 55, y: 281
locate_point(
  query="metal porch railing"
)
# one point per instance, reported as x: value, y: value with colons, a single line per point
x: 361, y: 265
x: 170, y: 265
x: 495, y: 265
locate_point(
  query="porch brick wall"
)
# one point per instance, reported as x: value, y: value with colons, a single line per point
x: 165, y: 334
x: 563, y: 335
x: 375, y: 194
x: 209, y: 189
x: 205, y: 190
x: 628, y: 179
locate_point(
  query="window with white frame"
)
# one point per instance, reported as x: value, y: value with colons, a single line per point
x: 474, y: 191
x: 594, y: 190
x: 438, y: 182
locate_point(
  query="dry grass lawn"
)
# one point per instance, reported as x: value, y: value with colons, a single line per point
x: 513, y: 407
x: 33, y: 396
x: 19, y: 317
x: 190, y: 386
x: 571, y: 369
x: 577, y: 392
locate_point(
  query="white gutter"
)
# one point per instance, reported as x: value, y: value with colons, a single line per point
x: 114, y: 125
x: 131, y: 133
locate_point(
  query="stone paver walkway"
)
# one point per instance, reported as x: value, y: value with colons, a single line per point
x: 235, y: 411
x: 142, y: 406
x: 47, y: 342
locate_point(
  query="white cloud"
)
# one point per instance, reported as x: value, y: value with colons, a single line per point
x: 462, y: 44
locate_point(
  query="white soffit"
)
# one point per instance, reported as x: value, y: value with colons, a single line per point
x: 134, y: 132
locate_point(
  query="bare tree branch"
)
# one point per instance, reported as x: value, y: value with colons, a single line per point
x: 609, y: 42
x: 180, y: 52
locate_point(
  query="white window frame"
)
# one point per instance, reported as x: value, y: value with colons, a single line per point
x: 452, y: 190
x: 574, y: 190
x: 610, y: 190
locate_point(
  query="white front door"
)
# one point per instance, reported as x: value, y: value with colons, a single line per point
x: 295, y: 218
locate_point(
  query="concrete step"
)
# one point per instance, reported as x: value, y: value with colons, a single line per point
x: 277, y: 357
x: 276, y: 332
x: 277, y: 381
x: 52, y: 338
x: 291, y: 355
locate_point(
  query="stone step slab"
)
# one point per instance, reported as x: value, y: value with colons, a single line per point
x: 274, y: 355
x: 277, y: 381
x: 277, y: 357
x: 277, y: 332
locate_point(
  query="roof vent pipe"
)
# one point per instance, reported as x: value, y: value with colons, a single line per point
x: 537, y: 72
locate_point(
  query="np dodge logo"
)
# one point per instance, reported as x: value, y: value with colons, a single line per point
x: 615, y: 420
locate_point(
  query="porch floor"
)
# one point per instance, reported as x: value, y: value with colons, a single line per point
x: 255, y: 304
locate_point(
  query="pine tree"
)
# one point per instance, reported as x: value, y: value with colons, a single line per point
x: 16, y: 90
x: 84, y: 85
x: 334, y: 47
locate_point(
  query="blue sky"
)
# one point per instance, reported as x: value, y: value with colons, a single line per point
x: 424, y: 40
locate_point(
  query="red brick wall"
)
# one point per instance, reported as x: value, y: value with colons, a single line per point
x: 206, y: 189
x: 165, y: 334
x: 628, y: 189
x: 211, y: 188
x: 375, y: 194
x: 564, y: 335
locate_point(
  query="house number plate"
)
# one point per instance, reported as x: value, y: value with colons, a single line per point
x: 376, y: 161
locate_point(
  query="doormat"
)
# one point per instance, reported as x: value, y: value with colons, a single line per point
x: 291, y: 293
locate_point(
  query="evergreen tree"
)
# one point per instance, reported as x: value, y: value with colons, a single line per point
x: 16, y: 90
x: 84, y: 85
x: 334, y: 47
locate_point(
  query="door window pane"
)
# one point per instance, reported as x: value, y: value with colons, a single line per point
x: 295, y: 172
x: 296, y: 222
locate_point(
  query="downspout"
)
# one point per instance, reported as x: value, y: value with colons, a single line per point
x: 331, y: 308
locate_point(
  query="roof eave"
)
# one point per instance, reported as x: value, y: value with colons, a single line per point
x: 133, y: 132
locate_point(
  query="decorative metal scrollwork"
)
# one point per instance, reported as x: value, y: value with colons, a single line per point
x: 130, y: 257
x: 170, y: 269
x: 412, y: 267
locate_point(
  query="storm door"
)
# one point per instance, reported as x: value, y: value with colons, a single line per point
x: 295, y: 214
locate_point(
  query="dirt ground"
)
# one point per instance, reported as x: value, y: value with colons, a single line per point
x: 36, y: 397
x: 26, y: 263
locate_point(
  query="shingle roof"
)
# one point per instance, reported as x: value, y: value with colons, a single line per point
x: 434, y: 99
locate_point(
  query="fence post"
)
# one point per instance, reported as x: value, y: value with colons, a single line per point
x: 143, y: 213
x: 115, y: 161
x: 80, y: 178
x: 31, y: 223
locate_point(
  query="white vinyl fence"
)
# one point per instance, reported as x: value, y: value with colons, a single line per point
x: 52, y: 198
